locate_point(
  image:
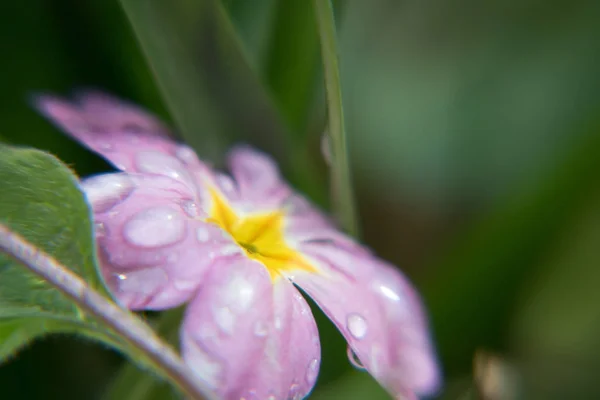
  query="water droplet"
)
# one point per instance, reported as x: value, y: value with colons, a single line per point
x: 185, y: 285
x: 389, y: 293
x: 155, y: 227
x: 104, y: 146
x: 230, y: 250
x: 239, y: 293
x: 144, y: 281
x: 185, y: 154
x: 202, y: 234
x: 354, y: 360
x: 312, y: 371
x: 295, y: 392
x: 190, y: 208
x: 153, y: 162
x: 107, y: 190
x: 261, y: 329
x: 226, y: 184
x: 225, y: 319
x: 278, y: 323
x: 357, y: 326
x: 99, y: 229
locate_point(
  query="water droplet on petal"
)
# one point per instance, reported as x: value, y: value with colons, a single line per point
x: 155, y: 227
x: 185, y: 285
x: 186, y: 154
x: 295, y: 392
x: 261, y: 329
x: 106, y: 191
x: 144, y: 281
x: 312, y: 371
x: 225, y: 319
x: 357, y: 326
x: 389, y: 293
x: 239, y: 293
x: 99, y: 229
x: 202, y: 234
x: 278, y: 323
x: 190, y: 208
x: 226, y: 184
x: 153, y: 162
x: 230, y: 250
x: 354, y: 360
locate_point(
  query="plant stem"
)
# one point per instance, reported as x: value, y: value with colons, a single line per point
x: 132, y: 329
x: 341, y: 177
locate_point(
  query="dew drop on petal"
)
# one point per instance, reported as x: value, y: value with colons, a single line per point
x: 278, y: 323
x: 357, y: 326
x: 354, y: 360
x: 230, y: 250
x: 295, y: 392
x: 312, y: 371
x: 99, y: 229
x: 389, y: 293
x: 185, y: 154
x: 106, y: 191
x: 153, y: 162
x: 202, y: 234
x: 225, y: 319
x: 144, y: 281
x: 155, y: 227
x: 260, y: 329
x: 190, y: 208
x: 185, y: 285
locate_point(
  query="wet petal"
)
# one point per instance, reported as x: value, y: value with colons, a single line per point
x: 257, y: 178
x: 153, y: 247
x: 379, y: 314
x: 130, y: 138
x: 247, y: 337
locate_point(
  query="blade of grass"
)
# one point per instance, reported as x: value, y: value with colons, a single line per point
x: 341, y: 178
x: 202, y: 71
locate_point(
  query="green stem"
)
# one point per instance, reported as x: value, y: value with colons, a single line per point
x: 341, y: 178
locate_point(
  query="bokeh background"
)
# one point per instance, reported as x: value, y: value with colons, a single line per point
x: 474, y: 132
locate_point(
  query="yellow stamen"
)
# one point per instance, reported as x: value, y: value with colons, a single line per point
x: 260, y: 235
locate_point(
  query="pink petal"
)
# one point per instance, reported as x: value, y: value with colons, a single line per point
x: 379, y: 314
x: 250, y: 338
x: 130, y: 138
x: 154, y: 250
x: 258, y: 178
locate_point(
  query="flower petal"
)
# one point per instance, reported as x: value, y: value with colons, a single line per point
x: 379, y: 314
x: 130, y: 138
x: 153, y: 247
x: 258, y: 178
x: 250, y: 338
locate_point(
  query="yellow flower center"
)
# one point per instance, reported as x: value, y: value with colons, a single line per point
x: 260, y: 235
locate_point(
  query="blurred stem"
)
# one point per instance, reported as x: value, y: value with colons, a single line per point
x: 130, y: 328
x: 341, y: 178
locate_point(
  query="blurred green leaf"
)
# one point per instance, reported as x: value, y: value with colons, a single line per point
x: 341, y: 178
x: 556, y: 331
x: 41, y: 201
x: 474, y: 287
x: 204, y: 76
x: 290, y: 64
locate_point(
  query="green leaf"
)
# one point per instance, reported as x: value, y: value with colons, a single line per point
x: 41, y: 201
x: 290, y: 65
x: 341, y: 178
x: 473, y: 291
x: 47, y: 252
x: 204, y: 76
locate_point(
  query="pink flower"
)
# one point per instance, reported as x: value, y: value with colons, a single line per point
x: 172, y: 230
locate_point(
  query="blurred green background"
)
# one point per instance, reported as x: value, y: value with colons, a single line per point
x: 474, y: 133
